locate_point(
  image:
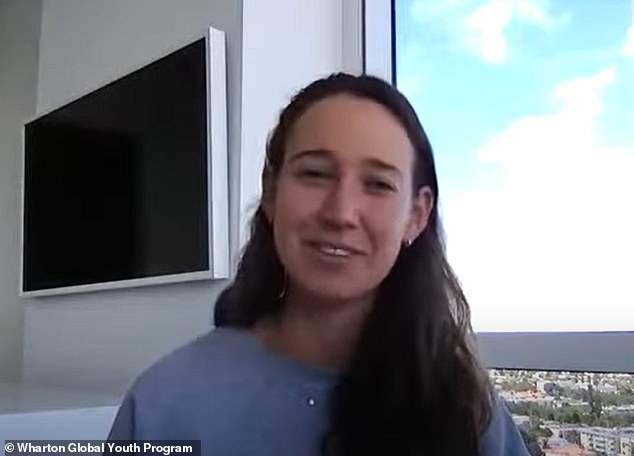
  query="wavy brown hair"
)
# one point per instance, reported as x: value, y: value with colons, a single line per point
x: 414, y: 385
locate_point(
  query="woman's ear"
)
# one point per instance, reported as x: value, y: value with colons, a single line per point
x: 422, y: 206
x: 268, y: 198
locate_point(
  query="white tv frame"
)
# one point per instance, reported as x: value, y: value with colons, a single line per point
x: 217, y: 177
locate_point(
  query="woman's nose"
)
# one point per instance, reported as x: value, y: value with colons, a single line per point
x: 341, y: 207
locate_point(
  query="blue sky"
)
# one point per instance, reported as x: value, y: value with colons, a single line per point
x: 529, y: 105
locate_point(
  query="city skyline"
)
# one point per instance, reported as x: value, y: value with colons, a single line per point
x: 570, y: 413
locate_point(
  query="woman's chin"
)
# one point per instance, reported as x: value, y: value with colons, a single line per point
x: 335, y: 292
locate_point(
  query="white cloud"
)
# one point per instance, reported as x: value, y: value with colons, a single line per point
x: 582, y: 96
x: 485, y: 30
x: 481, y: 28
x: 536, y: 12
x: 550, y: 246
x: 556, y: 138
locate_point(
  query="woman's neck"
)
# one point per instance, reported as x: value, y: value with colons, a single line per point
x: 315, y: 332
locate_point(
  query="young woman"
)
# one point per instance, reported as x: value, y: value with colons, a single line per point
x: 345, y: 331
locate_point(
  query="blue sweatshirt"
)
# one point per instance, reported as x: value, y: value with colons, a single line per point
x: 239, y: 398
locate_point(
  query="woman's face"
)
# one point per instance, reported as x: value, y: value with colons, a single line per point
x: 343, y: 203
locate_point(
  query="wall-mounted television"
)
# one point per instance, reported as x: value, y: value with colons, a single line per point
x: 127, y: 184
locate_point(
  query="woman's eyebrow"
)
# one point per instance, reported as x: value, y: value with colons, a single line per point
x: 383, y: 165
x: 375, y: 163
x: 311, y: 153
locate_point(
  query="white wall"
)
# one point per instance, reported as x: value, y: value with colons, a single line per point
x: 286, y: 44
x: 103, y: 340
x: 19, y: 38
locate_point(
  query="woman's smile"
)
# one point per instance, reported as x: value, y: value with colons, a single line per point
x: 333, y: 253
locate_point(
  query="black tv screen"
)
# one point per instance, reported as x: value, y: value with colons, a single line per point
x: 116, y: 182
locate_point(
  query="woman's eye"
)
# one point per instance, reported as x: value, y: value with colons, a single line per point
x: 314, y: 174
x: 380, y: 185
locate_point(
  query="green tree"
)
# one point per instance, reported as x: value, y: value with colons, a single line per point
x: 596, y: 406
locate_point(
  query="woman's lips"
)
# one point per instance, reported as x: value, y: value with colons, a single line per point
x: 334, y: 248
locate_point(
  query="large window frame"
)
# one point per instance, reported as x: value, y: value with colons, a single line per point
x: 558, y: 351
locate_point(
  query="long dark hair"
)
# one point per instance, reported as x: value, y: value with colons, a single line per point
x: 414, y: 384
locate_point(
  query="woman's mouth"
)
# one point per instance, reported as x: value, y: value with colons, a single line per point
x: 333, y: 250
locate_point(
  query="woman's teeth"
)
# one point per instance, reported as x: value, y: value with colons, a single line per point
x: 334, y: 251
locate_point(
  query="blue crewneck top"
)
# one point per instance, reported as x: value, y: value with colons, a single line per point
x: 239, y: 398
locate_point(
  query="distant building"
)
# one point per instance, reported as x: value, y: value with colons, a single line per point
x: 561, y: 447
x: 627, y: 444
x: 522, y: 421
x: 608, y: 388
x: 568, y: 450
x: 581, y: 385
x: 611, y: 442
x: 567, y: 384
x: 516, y: 397
x: 622, y: 409
x: 564, y: 430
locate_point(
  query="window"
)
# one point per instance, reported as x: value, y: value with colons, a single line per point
x: 529, y: 105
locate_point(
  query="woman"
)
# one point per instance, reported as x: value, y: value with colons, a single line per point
x: 345, y: 331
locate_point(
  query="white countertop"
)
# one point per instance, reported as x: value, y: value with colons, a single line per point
x: 19, y: 398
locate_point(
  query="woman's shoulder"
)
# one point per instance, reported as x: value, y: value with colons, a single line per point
x: 219, y: 356
x: 502, y: 437
x: 213, y: 387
